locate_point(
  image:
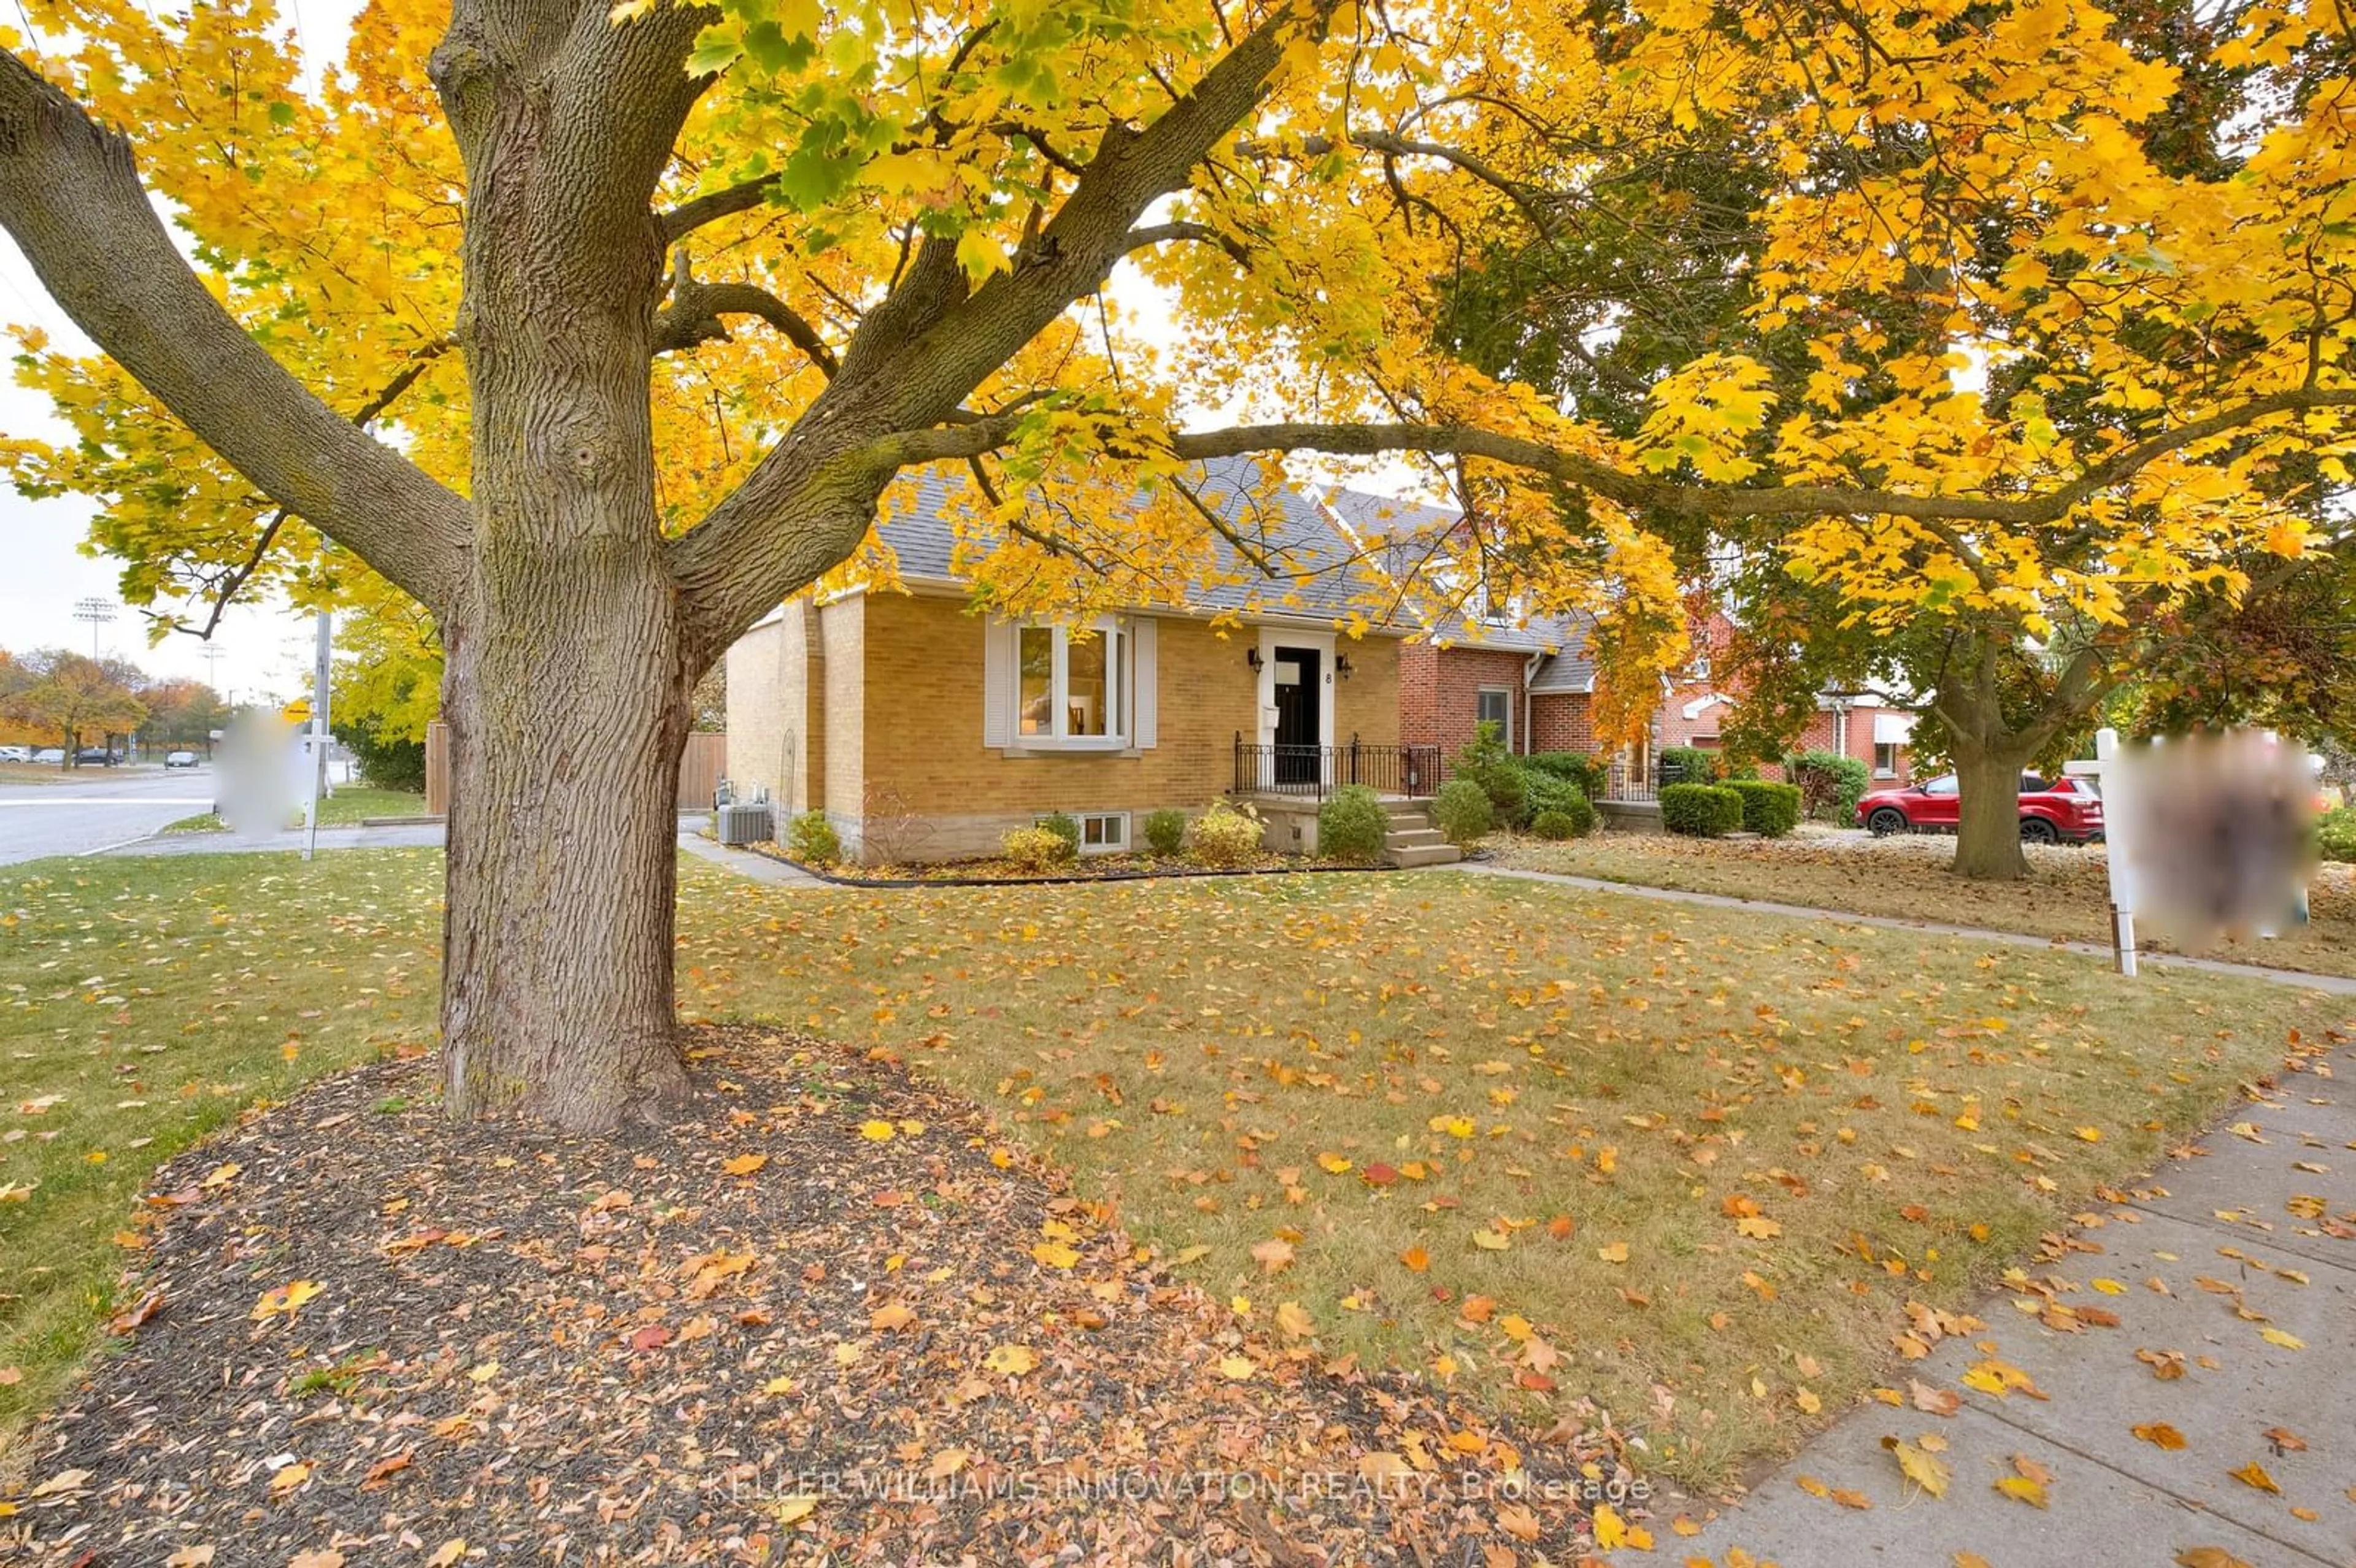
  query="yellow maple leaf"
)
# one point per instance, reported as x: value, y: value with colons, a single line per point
x: 879, y: 1132
x: 1919, y: 1467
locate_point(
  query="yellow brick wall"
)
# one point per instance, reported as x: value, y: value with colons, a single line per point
x: 838, y: 756
x: 760, y: 750
x: 921, y: 736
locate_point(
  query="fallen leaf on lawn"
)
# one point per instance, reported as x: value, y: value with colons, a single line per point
x: 877, y: 1132
x: 1014, y: 1361
x: 796, y: 1509
x: 744, y: 1164
x: 1611, y: 1530
x: 1294, y: 1320
x: 1925, y: 1472
x: 1273, y: 1255
x: 1616, y: 1253
x: 1055, y: 1255
x: 1758, y: 1228
x: 451, y: 1551
x: 2091, y: 1134
x: 2021, y: 1488
x: 1415, y: 1258
x: 1332, y: 1163
x: 2255, y: 1474
x: 2160, y: 1435
x: 1491, y: 1239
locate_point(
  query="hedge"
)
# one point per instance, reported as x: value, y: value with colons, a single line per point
x: 1770, y: 810
x: 2335, y: 835
x: 1705, y: 811
x: 1548, y: 792
x: 1352, y: 825
x: 1830, y: 783
x: 1592, y: 774
x: 1691, y: 764
x: 1165, y: 830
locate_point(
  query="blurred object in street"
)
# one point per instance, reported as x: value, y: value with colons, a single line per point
x: 256, y: 763
x: 2218, y: 828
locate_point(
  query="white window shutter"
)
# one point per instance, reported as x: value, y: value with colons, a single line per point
x: 1143, y: 726
x: 997, y: 682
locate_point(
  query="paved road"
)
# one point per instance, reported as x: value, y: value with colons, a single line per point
x: 95, y: 807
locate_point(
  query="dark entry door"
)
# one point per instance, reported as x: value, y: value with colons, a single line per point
x: 1297, y: 689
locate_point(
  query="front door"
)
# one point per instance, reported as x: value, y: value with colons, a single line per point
x: 1297, y: 758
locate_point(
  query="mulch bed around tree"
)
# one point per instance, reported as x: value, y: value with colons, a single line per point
x: 827, y: 1317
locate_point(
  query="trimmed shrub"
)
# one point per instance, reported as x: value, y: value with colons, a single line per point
x: 1550, y: 793
x: 1165, y: 830
x: 812, y: 840
x: 2335, y: 835
x: 1704, y: 811
x: 1770, y: 810
x: 386, y: 764
x: 1830, y: 784
x: 1592, y: 774
x: 1460, y: 810
x: 1227, y: 835
x: 1066, y: 826
x: 1484, y: 761
x: 1690, y: 764
x: 1559, y: 824
x: 1352, y: 825
x: 1040, y: 848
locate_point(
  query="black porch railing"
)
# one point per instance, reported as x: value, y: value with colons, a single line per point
x: 1411, y: 772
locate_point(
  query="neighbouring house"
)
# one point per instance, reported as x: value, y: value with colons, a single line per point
x: 925, y: 728
x: 1529, y: 675
x: 1867, y: 726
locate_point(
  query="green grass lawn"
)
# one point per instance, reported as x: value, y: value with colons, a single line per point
x: 1701, y: 1160
x: 2066, y: 894
x: 350, y: 805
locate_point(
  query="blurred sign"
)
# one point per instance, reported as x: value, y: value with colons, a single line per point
x: 2211, y: 836
x: 298, y: 711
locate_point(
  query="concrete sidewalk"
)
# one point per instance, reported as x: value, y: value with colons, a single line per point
x: 2339, y: 985
x: 2231, y: 1275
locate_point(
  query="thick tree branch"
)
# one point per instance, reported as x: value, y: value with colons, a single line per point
x: 710, y: 207
x: 70, y: 196
x: 1650, y: 491
x: 695, y: 309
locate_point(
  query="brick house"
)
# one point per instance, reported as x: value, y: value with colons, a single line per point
x: 1530, y: 676
x: 925, y: 728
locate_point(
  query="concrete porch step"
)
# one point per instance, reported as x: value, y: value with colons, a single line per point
x: 1412, y: 838
x: 1424, y: 855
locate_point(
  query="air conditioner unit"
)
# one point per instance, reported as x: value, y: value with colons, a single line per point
x: 748, y: 823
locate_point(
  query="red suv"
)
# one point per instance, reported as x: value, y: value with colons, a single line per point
x: 2062, y: 810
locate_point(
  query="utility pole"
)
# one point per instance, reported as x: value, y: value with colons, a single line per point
x: 97, y: 612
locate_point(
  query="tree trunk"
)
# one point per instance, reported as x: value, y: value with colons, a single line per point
x: 1988, y: 833
x: 566, y: 713
x: 567, y: 669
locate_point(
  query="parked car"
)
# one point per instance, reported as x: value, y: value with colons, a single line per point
x: 93, y: 755
x: 2053, y: 811
x: 54, y: 755
x: 180, y: 759
x: 15, y: 753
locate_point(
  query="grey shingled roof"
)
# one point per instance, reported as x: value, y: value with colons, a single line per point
x: 1318, y: 564
x: 1400, y: 534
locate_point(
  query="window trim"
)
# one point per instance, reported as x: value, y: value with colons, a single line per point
x: 1891, y: 771
x: 1505, y: 695
x: 1119, y: 640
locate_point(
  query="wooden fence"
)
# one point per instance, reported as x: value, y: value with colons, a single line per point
x: 702, y: 766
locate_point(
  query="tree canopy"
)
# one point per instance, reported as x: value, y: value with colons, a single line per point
x: 2045, y: 366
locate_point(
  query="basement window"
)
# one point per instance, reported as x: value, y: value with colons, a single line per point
x: 1104, y: 832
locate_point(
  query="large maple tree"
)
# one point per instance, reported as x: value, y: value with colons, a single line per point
x: 599, y: 329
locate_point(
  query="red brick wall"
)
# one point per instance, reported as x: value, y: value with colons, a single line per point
x: 1562, y: 722
x: 1858, y: 742
x: 1438, y: 693
x: 1673, y: 729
